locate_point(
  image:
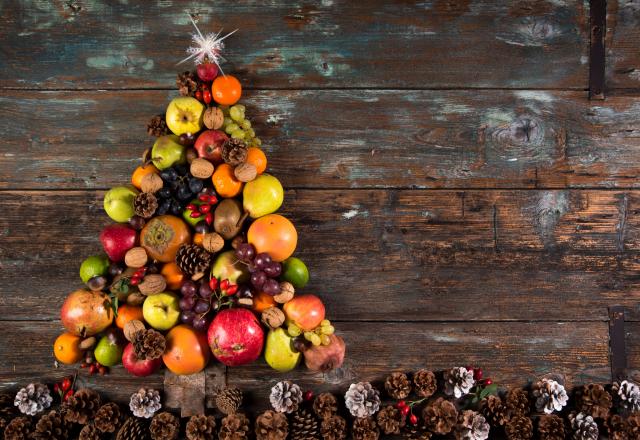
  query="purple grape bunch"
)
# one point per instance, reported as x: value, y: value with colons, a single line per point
x: 197, y: 301
x: 264, y: 271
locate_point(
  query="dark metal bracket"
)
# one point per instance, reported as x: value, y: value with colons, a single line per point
x: 617, y: 343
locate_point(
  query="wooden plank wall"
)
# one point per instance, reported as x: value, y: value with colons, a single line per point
x: 459, y: 198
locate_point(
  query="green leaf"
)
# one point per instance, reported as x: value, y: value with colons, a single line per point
x: 491, y: 389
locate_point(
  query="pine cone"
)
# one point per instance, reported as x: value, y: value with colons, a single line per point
x: 7, y: 407
x: 108, y: 418
x: 145, y: 403
x: 271, y: 425
x: 234, y: 152
x: 201, y: 427
x: 594, y: 400
x: 519, y: 428
x: 412, y: 432
x: 390, y: 420
x: 90, y: 432
x: 627, y: 395
x: 325, y: 405
x: 228, y: 400
x: 365, y: 428
x: 133, y: 429
x: 551, y: 427
x: 149, y: 344
x: 33, y: 399
x: 234, y: 427
x: 362, y: 400
x: 471, y: 426
x: 164, y: 426
x: 192, y: 259
x: 187, y: 83
x: 550, y: 395
x: 458, y: 382
x: 583, y: 427
x: 425, y: 383
x: 633, y: 426
x: 304, y: 426
x: 617, y: 428
x: 285, y: 397
x: 517, y: 402
x: 398, y: 385
x: 18, y: 429
x: 145, y: 204
x: 51, y: 426
x: 440, y: 416
x: 494, y: 410
x: 157, y: 126
x: 333, y: 428
x: 82, y: 406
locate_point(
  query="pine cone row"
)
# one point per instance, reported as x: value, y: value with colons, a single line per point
x: 519, y: 428
x: 234, y: 152
x: 192, y: 259
x: 187, y: 83
x: 333, y: 428
x: 18, y: 429
x: 517, y: 402
x: 325, y: 405
x: 440, y: 416
x: 157, y: 126
x: 108, y: 418
x: 133, y: 429
x: 164, y: 426
x: 304, y: 426
x: 397, y: 385
x: 234, y: 427
x: 594, y: 400
x: 365, y: 428
x: 51, y: 426
x: 425, y: 383
x: 149, y: 344
x: 145, y: 204
x: 229, y: 400
x: 201, y: 427
x: 271, y: 425
x: 82, y: 406
x: 390, y: 420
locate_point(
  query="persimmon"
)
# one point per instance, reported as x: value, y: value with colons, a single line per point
x: 226, y: 90
x: 275, y: 235
x: 128, y: 313
x: 66, y: 348
x: 187, y: 350
x: 173, y: 275
x: 142, y: 171
x: 225, y: 181
x: 163, y: 235
x: 257, y: 158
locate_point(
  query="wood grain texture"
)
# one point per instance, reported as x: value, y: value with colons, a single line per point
x: 343, y: 139
x: 512, y: 353
x: 333, y: 43
x: 622, y: 42
x: 422, y: 255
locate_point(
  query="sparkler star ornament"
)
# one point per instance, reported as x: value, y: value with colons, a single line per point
x: 206, y: 48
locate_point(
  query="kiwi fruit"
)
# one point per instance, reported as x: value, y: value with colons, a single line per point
x: 228, y: 218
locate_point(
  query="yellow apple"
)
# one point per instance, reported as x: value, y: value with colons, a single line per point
x: 184, y: 115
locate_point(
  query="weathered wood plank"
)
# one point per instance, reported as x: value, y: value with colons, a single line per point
x: 512, y: 353
x: 382, y: 254
x: 333, y: 43
x: 622, y: 43
x: 343, y: 139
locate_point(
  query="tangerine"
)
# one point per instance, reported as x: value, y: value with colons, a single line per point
x: 275, y: 235
x: 66, y: 348
x: 187, y: 350
x: 173, y: 275
x: 142, y: 171
x: 257, y: 158
x: 225, y: 181
x: 128, y: 313
x: 263, y: 301
x: 226, y: 90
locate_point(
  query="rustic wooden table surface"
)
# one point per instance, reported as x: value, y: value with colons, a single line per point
x: 458, y: 196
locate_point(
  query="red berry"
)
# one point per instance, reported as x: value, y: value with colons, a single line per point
x: 401, y: 404
x: 206, y: 96
x: 405, y: 410
x: 195, y: 214
x: 93, y: 369
x: 68, y: 394
x: 413, y: 419
x: 83, y: 365
x: 66, y: 384
x: 204, y: 208
x: 134, y: 281
x: 224, y: 284
x: 232, y: 289
x: 192, y: 207
x: 308, y: 395
x: 103, y: 370
x: 56, y: 388
x: 488, y: 382
x: 469, y: 367
x: 199, y: 95
x: 477, y: 374
x: 209, y: 218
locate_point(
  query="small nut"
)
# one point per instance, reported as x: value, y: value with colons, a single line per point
x: 152, y: 284
x: 87, y: 343
x: 201, y: 168
x: 237, y: 241
x: 135, y: 257
x: 213, y: 118
x: 151, y: 183
x: 135, y: 299
x: 273, y: 317
x: 131, y: 328
x: 286, y: 292
x: 245, y: 302
x: 245, y: 172
x: 212, y: 242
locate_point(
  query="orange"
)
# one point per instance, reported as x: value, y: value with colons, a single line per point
x: 173, y: 275
x: 225, y: 181
x: 275, y: 235
x: 226, y: 90
x: 66, y: 348
x: 128, y: 313
x: 263, y: 301
x: 187, y: 350
x: 257, y: 158
x: 140, y: 172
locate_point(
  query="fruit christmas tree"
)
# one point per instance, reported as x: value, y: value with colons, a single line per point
x: 198, y: 261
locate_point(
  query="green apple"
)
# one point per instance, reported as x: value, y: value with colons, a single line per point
x: 262, y: 196
x: 161, y: 311
x: 184, y: 115
x: 108, y: 352
x: 94, y: 266
x: 167, y: 152
x: 118, y: 203
x: 227, y: 266
x: 186, y: 214
x: 279, y: 352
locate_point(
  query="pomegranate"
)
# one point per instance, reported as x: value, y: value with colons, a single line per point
x: 86, y: 313
x: 235, y: 337
x: 325, y: 357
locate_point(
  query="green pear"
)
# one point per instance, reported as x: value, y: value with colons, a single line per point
x: 108, y: 352
x: 167, y: 152
x: 228, y: 267
x: 279, y: 352
x: 262, y: 196
x: 118, y: 203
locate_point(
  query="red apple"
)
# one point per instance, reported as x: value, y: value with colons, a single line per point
x: 235, y: 337
x: 209, y: 145
x: 86, y: 313
x: 117, y: 240
x: 139, y: 367
x: 305, y: 311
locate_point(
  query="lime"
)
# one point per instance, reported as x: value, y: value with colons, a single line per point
x: 94, y: 266
x: 107, y: 352
x: 296, y: 272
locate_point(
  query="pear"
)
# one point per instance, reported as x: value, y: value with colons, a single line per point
x: 279, y: 352
x: 108, y: 352
x: 227, y: 266
x: 167, y: 152
x: 262, y: 196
